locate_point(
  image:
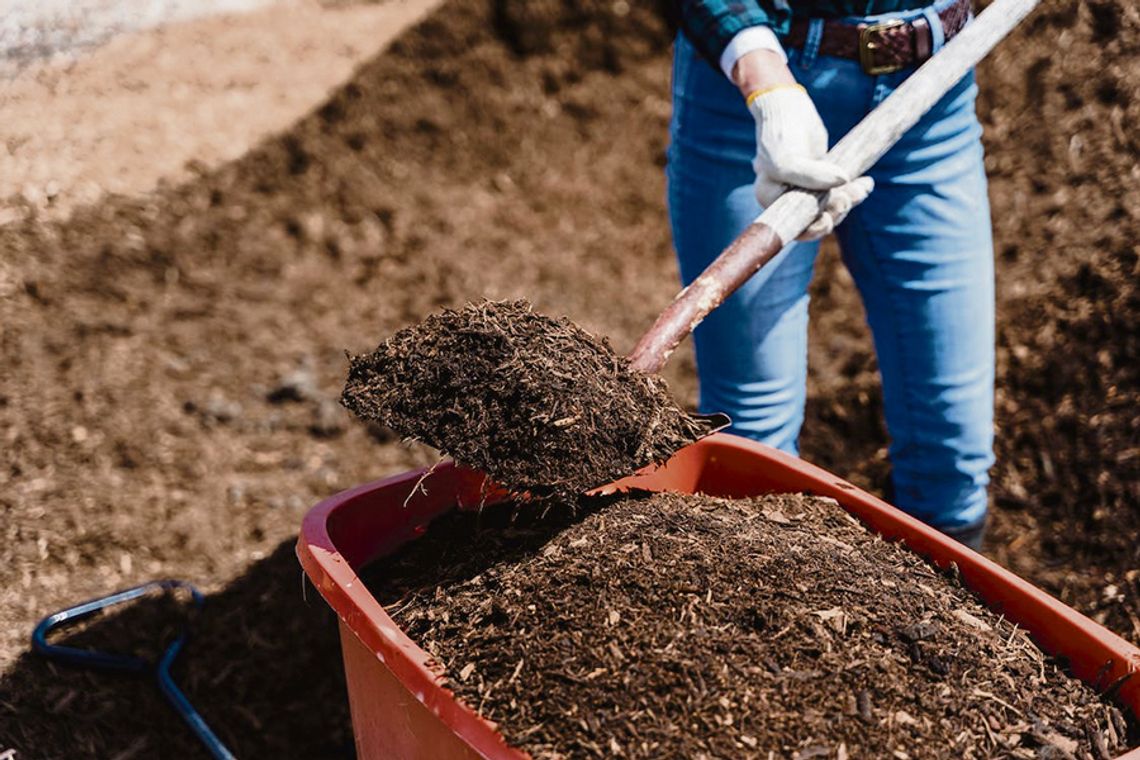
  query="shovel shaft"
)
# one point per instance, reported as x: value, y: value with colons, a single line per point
x: 787, y: 218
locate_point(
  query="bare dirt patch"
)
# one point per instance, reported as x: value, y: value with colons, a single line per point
x: 160, y: 106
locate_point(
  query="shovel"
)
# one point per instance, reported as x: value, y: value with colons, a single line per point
x: 787, y: 218
x: 383, y: 387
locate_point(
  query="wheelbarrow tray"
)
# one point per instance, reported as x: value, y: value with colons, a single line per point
x: 401, y: 709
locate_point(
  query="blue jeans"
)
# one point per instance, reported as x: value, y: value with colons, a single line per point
x: 919, y: 249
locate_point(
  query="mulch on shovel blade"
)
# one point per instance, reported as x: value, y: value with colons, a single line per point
x: 689, y: 626
x: 538, y: 403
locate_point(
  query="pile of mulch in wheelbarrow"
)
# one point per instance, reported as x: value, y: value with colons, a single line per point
x: 688, y: 626
x: 536, y: 402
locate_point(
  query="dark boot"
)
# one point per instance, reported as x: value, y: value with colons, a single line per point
x: 971, y: 535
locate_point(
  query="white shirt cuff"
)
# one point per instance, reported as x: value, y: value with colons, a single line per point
x: 746, y: 41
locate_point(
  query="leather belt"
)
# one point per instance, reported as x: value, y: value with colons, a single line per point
x: 884, y: 47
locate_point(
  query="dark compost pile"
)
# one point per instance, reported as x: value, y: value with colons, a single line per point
x: 538, y: 403
x: 689, y: 626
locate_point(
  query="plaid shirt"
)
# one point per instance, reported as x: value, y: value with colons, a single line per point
x: 711, y: 24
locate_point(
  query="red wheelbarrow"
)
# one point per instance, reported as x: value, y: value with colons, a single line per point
x: 400, y: 709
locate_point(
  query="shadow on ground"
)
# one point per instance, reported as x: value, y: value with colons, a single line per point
x: 263, y: 667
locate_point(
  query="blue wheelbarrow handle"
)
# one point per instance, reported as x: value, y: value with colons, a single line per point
x: 180, y: 703
x: 88, y: 658
x: 93, y: 659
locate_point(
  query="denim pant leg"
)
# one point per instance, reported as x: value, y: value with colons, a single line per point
x: 921, y: 253
x: 752, y: 351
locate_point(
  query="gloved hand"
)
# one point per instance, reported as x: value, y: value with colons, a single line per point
x: 791, y: 145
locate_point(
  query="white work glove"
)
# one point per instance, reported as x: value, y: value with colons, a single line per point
x: 791, y: 149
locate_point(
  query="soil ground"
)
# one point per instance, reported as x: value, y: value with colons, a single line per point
x: 172, y: 360
x: 156, y: 108
x: 668, y: 625
x: 33, y: 30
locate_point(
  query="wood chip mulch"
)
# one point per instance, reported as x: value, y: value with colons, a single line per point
x: 536, y: 402
x: 688, y: 626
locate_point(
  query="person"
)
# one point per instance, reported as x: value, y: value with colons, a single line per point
x: 760, y: 89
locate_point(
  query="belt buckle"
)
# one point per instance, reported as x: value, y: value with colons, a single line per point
x: 870, y: 40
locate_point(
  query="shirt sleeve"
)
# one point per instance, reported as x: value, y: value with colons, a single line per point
x: 711, y: 25
x: 746, y: 41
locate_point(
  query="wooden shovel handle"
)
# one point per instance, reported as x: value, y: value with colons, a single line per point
x: 792, y: 212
